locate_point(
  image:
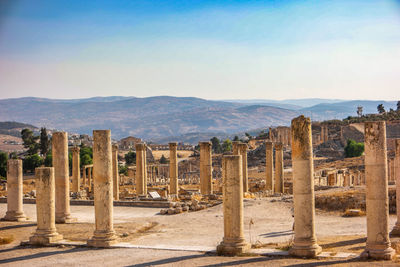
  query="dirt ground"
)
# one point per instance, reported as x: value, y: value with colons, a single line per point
x: 271, y: 227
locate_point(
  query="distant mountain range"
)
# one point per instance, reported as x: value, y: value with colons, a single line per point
x: 165, y: 118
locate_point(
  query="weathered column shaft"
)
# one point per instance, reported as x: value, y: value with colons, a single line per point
x: 205, y: 168
x: 115, y: 172
x: 243, y: 153
x: 84, y: 177
x: 233, y: 242
x: 104, y: 234
x: 279, y: 168
x: 76, y: 173
x: 396, y: 228
x: 173, y: 169
x: 141, y: 169
x: 61, y: 175
x: 377, y: 203
x: 269, y: 166
x: 15, y: 194
x: 45, y: 208
x: 90, y: 180
x: 305, y: 244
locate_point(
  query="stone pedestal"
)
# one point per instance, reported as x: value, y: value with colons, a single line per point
x: 305, y: 243
x: 46, y: 232
x: 396, y: 228
x: 173, y: 169
x: 205, y: 168
x: 233, y: 242
x: 269, y: 166
x: 115, y: 172
x: 377, y: 203
x: 141, y: 170
x: 76, y: 173
x: 14, y: 191
x: 59, y: 143
x: 104, y: 234
x: 278, y: 168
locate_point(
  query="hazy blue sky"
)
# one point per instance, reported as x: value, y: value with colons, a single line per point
x: 346, y: 49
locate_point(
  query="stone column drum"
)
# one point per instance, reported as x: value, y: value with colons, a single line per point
x: 305, y: 242
x: 205, y: 168
x: 243, y: 153
x: 15, y: 194
x: 235, y: 147
x: 115, y: 172
x: 59, y: 144
x: 396, y: 228
x: 90, y: 180
x: 173, y: 169
x: 233, y: 242
x: 269, y: 166
x: 377, y: 202
x: 104, y: 234
x: 141, y: 170
x: 278, y: 168
x: 46, y: 232
x: 76, y: 173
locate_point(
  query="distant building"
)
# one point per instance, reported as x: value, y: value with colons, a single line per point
x: 129, y: 142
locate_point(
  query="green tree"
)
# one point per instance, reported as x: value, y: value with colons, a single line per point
x: 3, y: 165
x: 44, y: 142
x: 130, y: 157
x: 13, y: 155
x: 236, y: 138
x: 398, y: 105
x: 216, y: 145
x: 353, y: 149
x: 86, y: 155
x: 122, y: 169
x: 30, y: 141
x: 48, y: 160
x: 380, y: 108
x: 31, y: 162
x: 227, y: 145
x: 163, y: 160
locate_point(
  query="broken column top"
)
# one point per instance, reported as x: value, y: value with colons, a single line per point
x: 269, y: 144
x: 205, y: 143
x: 140, y: 146
x: 278, y: 146
x: 115, y: 147
x: 171, y: 144
x: 373, y: 131
x: 75, y: 149
x: 302, y: 139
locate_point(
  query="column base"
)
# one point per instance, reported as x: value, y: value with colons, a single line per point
x: 379, y: 253
x: 45, y: 239
x: 396, y: 230
x: 14, y: 216
x: 102, y: 239
x: 233, y: 248
x: 303, y: 250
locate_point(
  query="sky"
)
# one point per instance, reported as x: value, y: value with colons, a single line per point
x: 342, y: 49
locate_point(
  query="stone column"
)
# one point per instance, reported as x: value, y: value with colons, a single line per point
x: 15, y: 193
x: 269, y: 166
x: 104, y: 234
x: 59, y: 144
x: 305, y: 242
x: 90, y: 180
x: 205, y: 168
x: 396, y: 228
x: 141, y: 170
x: 76, y: 173
x: 46, y: 232
x: 115, y: 172
x: 84, y: 176
x: 173, y: 169
x: 235, y: 147
x: 278, y: 168
x: 243, y: 153
x: 378, y: 242
x: 233, y: 242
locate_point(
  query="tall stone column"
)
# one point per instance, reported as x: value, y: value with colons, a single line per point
x: 243, y: 153
x: 173, y: 169
x: 377, y: 203
x: 46, y: 232
x: 104, y: 234
x: 233, y: 242
x: 279, y: 168
x: 115, y: 172
x: 396, y: 228
x: 90, y: 180
x: 235, y: 147
x: 269, y: 166
x: 84, y: 176
x: 76, y: 173
x: 59, y: 144
x: 15, y: 194
x: 305, y: 242
x: 141, y: 170
x: 205, y: 168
